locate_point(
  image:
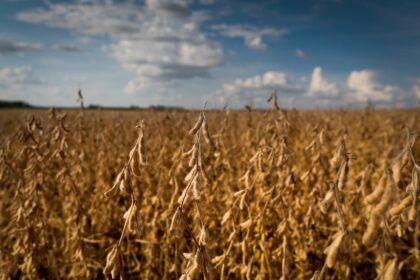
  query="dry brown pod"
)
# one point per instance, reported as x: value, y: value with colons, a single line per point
x: 333, y: 249
x: 379, y: 211
x: 196, y: 187
x: 343, y: 176
x: 114, y: 190
x: 113, y: 262
x: 194, y: 156
x: 328, y: 199
x: 378, y: 191
x: 177, y: 225
x: 125, y: 185
x: 398, y: 164
x: 128, y: 217
x: 135, y: 162
x: 391, y: 270
x: 206, y: 133
x: 191, y: 174
x: 412, y: 215
x: 197, y: 125
x: 226, y: 216
x: 398, y: 209
x: 204, y: 235
x: 336, y: 160
x: 185, y: 197
x: 141, y: 150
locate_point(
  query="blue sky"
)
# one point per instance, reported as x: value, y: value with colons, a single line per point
x: 316, y: 54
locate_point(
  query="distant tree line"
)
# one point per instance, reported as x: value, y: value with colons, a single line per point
x: 14, y: 104
x: 22, y: 104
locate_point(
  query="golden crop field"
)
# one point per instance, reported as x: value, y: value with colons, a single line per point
x: 142, y: 194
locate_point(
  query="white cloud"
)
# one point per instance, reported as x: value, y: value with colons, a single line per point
x: 87, y: 18
x: 8, y: 46
x: 14, y: 81
x: 363, y: 86
x: 269, y: 79
x: 319, y: 86
x: 416, y: 88
x: 253, y: 36
x: 13, y: 77
x: 145, y: 84
x: 320, y: 92
x: 158, y: 41
x: 167, y: 58
x: 256, y: 89
x: 21, y: 83
x: 299, y: 53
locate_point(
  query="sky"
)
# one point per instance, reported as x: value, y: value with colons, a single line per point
x: 315, y: 53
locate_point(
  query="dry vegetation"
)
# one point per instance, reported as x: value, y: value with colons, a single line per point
x: 232, y: 195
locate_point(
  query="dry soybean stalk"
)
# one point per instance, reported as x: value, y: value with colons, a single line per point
x: 339, y: 242
x: 80, y: 98
x: 198, y: 262
x: 137, y: 158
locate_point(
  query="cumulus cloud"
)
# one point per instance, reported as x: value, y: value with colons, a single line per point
x: 267, y: 80
x: 13, y: 80
x: 14, y: 76
x: 299, y: 53
x: 168, y: 59
x: 357, y: 89
x: 19, y: 76
x: 253, y: 36
x: 8, y: 46
x: 86, y: 18
x: 255, y: 89
x: 319, y: 86
x: 363, y: 86
x: 20, y: 83
x: 158, y: 40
